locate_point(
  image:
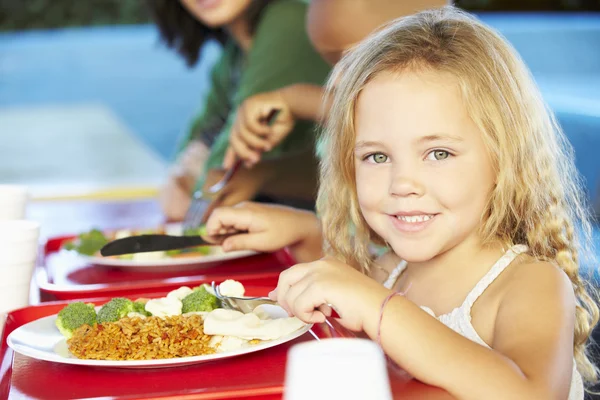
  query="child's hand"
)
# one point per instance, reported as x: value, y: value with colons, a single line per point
x: 175, y: 195
x: 305, y: 289
x: 250, y: 135
x: 266, y: 228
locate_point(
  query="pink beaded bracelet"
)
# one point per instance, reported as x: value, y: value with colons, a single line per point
x: 385, y: 301
x: 388, y: 298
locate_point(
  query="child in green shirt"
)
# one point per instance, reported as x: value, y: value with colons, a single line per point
x: 265, y: 48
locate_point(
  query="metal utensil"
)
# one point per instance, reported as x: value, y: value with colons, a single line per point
x: 197, y: 212
x: 243, y: 304
x: 200, y: 207
x: 147, y: 243
x: 248, y: 304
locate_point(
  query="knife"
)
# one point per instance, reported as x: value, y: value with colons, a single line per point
x: 147, y: 243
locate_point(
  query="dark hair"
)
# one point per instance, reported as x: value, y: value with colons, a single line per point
x: 181, y: 31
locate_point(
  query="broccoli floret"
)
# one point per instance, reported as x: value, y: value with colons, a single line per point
x: 140, y: 308
x: 88, y: 243
x: 199, y: 300
x: 115, y: 309
x: 198, y: 231
x: 73, y: 316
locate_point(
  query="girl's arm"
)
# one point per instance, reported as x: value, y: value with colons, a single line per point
x: 532, y: 340
x: 532, y: 345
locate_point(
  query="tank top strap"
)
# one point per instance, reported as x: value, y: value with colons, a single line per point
x: 390, y: 282
x: 493, y: 273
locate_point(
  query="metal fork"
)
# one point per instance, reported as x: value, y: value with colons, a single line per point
x: 243, y: 304
x: 248, y: 304
x: 202, y: 200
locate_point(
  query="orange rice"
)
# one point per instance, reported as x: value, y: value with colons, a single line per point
x: 141, y: 339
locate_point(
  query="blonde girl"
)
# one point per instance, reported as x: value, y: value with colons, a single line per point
x: 439, y: 146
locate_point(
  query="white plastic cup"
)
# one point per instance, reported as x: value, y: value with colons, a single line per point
x: 18, y: 253
x: 16, y: 274
x: 22, y: 252
x: 18, y: 231
x: 349, y: 369
x: 14, y: 296
x: 13, y: 201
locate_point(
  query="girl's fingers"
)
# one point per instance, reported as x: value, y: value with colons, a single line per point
x: 293, y: 292
x: 305, y: 301
x: 326, y: 310
x: 287, y: 279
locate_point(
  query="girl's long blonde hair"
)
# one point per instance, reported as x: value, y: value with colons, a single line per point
x: 537, y: 201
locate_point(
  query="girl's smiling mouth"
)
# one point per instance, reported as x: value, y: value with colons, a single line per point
x: 412, y: 221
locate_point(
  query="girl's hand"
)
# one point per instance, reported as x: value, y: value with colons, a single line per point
x: 250, y: 135
x: 262, y: 227
x: 305, y: 289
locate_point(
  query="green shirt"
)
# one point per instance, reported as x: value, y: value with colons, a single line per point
x: 281, y: 55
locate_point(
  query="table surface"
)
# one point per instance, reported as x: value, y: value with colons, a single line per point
x: 73, y: 216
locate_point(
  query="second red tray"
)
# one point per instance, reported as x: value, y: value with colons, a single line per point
x: 62, y: 278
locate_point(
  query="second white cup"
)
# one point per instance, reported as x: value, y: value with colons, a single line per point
x: 13, y: 201
x: 14, y: 296
x: 18, y: 252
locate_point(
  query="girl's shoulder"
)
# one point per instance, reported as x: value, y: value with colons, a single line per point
x: 530, y: 272
x: 533, y: 281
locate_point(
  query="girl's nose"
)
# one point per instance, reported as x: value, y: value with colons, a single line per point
x: 405, y: 183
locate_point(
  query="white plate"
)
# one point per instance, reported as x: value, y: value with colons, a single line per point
x: 167, y: 261
x: 170, y: 229
x: 41, y: 339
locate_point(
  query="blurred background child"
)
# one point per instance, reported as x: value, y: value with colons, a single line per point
x: 265, y: 47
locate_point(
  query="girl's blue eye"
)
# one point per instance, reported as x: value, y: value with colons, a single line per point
x: 377, y: 158
x: 438, y: 155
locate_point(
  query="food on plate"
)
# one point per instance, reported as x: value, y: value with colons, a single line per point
x: 115, y: 309
x: 199, y: 300
x: 139, y: 307
x: 90, y: 243
x: 254, y: 325
x: 231, y: 288
x: 186, y: 322
x: 142, y: 339
x: 73, y: 316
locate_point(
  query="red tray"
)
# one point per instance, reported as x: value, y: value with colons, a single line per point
x: 257, y: 375
x: 61, y: 277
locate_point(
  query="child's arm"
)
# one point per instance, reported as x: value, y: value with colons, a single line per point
x: 533, y: 343
x: 250, y: 136
x: 263, y: 227
x: 305, y: 101
x: 533, y: 335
